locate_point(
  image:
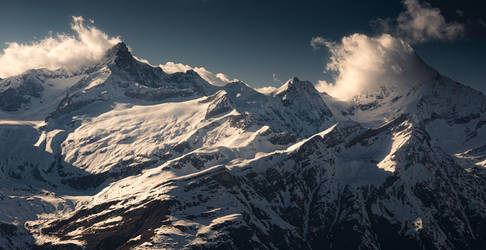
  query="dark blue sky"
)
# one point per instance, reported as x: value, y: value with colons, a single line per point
x: 249, y: 40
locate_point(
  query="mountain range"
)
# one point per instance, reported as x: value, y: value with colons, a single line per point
x: 122, y: 155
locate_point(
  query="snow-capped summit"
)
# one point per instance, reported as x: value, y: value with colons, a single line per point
x: 302, y: 97
x: 119, y: 53
x: 121, y: 62
x: 294, y: 85
x: 294, y: 89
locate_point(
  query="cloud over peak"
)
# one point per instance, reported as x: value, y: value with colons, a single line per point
x: 87, y: 45
x: 365, y: 64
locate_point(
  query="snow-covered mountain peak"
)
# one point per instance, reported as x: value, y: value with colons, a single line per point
x: 120, y: 50
x: 118, y: 55
x: 294, y: 85
x: 301, y: 95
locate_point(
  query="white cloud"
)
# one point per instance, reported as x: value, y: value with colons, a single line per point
x: 218, y: 79
x: 171, y: 67
x: 317, y: 42
x: 365, y: 64
x: 141, y: 59
x: 266, y: 90
x: 57, y: 51
x: 322, y: 86
x: 421, y: 23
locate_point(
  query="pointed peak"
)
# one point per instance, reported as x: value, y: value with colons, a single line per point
x: 121, y: 46
x: 295, y: 85
x: 293, y: 80
x: 119, y: 51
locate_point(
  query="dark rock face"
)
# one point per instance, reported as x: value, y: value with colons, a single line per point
x: 136, y: 221
x: 283, y: 138
x: 241, y: 121
x: 18, y: 90
x: 70, y: 104
x: 7, y: 230
x: 11, y: 234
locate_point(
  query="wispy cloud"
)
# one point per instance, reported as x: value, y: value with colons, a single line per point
x: 421, y: 23
x: 70, y: 52
x: 218, y: 79
x: 318, y: 42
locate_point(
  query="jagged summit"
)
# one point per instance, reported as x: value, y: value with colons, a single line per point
x: 121, y: 62
x: 294, y: 85
x: 121, y: 48
x: 298, y: 92
x: 119, y: 54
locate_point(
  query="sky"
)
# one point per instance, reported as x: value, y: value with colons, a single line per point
x: 263, y: 43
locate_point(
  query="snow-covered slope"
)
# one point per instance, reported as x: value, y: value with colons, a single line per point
x: 123, y: 155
